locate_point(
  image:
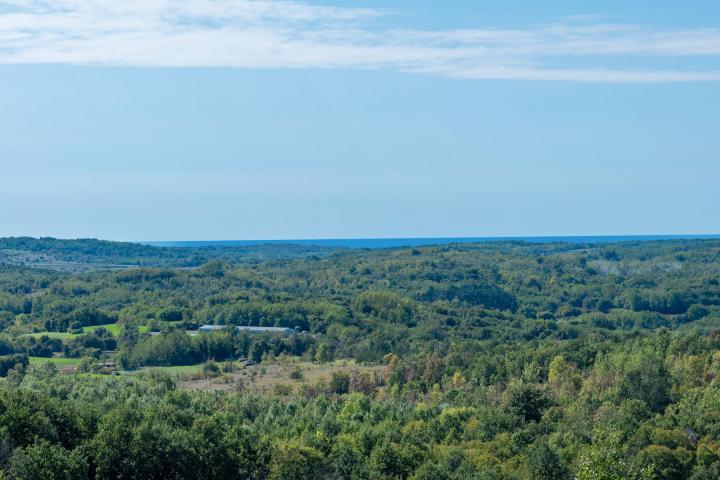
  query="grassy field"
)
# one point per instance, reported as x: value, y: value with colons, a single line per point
x: 172, y: 371
x: 60, y: 335
x: 69, y: 363
x: 267, y: 378
x: 261, y: 378
x: 58, y: 361
x: 114, y: 328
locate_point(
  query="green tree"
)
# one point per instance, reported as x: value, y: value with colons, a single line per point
x: 667, y: 463
x: 544, y: 463
x: 323, y: 353
x: 293, y: 460
x: 339, y: 383
x: 607, y: 459
x: 45, y: 461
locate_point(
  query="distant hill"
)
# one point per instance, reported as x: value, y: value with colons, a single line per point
x: 82, y: 254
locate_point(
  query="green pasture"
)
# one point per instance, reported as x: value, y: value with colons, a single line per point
x: 58, y: 361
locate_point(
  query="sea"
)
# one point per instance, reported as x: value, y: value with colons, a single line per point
x: 374, y: 243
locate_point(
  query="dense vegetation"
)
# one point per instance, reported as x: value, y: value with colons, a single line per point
x: 83, y: 254
x: 504, y: 360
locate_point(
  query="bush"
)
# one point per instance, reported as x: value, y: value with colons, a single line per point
x: 339, y: 383
x: 211, y: 369
x: 282, y: 390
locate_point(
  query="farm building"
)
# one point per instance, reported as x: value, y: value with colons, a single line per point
x: 251, y: 330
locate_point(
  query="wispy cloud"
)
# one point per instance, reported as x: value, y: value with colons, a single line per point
x: 292, y: 34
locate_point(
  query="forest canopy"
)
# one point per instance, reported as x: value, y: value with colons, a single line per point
x: 504, y: 360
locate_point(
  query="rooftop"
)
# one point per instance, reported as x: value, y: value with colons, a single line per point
x: 286, y: 330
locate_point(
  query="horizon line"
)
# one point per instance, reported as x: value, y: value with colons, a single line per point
x: 391, y: 237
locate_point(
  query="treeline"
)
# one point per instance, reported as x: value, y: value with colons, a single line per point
x: 87, y: 253
x: 178, y: 348
x: 43, y: 346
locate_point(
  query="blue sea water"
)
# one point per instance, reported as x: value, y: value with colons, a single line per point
x: 371, y: 243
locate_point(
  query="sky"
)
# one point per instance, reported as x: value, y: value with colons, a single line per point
x: 239, y: 119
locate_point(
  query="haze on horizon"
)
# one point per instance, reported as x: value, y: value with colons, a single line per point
x: 269, y: 119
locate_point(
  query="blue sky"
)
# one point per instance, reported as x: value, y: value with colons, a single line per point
x: 160, y: 119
